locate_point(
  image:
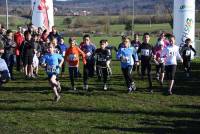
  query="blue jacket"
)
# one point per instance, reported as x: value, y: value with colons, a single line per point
x: 125, y: 55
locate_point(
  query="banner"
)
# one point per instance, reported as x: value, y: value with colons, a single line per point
x: 184, y: 21
x: 42, y: 13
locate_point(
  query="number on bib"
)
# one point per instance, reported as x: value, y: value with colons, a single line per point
x: 51, y: 69
x: 145, y: 52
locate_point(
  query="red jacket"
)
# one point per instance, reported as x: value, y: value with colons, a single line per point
x: 18, y: 38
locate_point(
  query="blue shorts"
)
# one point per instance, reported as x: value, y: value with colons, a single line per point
x: 51, y: 74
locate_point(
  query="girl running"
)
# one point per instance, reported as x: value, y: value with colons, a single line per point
x: 125, y: 55
x: 171, y: 53
x: 72, y: 58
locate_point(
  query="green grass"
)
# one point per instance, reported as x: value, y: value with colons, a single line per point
x: 15, y: 21
x: 26, y: 106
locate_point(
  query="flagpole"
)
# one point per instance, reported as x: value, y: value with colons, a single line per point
x: 7, y: 14
x: 132, y: 28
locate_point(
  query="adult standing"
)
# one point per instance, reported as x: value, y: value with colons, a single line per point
x: 18, y: 38
x: 9, y: 47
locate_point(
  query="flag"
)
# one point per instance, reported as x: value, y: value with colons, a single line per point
x: 42, y: 13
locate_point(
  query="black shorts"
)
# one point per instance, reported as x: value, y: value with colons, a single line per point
x: 27, y: 60
x: 160, y: 68
x: 170, y: 71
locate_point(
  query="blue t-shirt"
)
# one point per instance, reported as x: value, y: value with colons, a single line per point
x: 63, y: 48
x: 52, y: 62
x: 89, y: 50
x: 126, y: 56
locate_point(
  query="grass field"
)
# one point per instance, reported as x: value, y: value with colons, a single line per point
x: 15, y: 21
x: 26, y: 106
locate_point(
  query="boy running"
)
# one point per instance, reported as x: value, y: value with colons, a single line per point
x: 52, y: 62
x: 186, y: 55
x: 102, y: 57
x: 146, y: 52
x: 62, y: 48
x: 136, y: 43
x: 88, y: 70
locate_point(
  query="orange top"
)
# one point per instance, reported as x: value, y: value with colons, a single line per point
x: 72, y: 56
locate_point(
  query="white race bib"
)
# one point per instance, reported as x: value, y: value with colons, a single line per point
x: 63, y: 53
x: 51, y: 69
x: 145, y: 52
x: 188, y: 52
x: 172, y: 53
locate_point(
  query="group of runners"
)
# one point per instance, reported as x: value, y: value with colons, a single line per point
x: 36, y: 47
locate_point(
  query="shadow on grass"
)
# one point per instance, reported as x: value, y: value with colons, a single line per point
x: 168, y: 114
x: 43, y: 90
x: 22, y: 101
x: 176, y: 126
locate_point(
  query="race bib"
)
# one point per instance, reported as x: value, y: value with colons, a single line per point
x: 145, y: 52
x: 51, y: 69
x: 88, y: 54
x: 188, y: 52
x: 125, y: 59
x: 171, y: 53
x: 63, y: 53
x: 72, y: 57
x: 99, y: 58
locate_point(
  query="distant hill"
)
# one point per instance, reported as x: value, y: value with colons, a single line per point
x: 111, y: 6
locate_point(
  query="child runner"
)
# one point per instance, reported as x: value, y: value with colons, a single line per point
x: 110, y: 48
x: 136, y: 43
x: 72, y: 57
x: 160, y: 67
x: 125, y: 55
x: 146, y: 52
x: 52, y: 62
x: 102, y: 57
x: 62, y: 48
x: 186, y: 55
x: 171, y: 53
x: 88, y: 70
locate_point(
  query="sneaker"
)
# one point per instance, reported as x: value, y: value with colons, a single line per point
x: 150, y: 90
x: 161, y: 83
x: 157, y: 78
x: 85, y: 87
x: 105, y: 87
x: 74, y: 88
x: 133, y: 86
x: 187, y: 74
x: 58, y: 86
x: 169, y: 92
x: 130, y: 89
x: 13, y: 78
x: 57, y: 98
